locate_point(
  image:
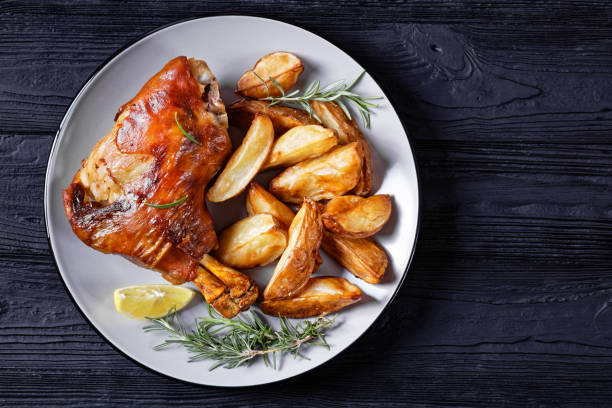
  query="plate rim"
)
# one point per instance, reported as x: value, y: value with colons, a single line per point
x: 54, y: 145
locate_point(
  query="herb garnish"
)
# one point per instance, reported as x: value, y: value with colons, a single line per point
x: 187, y: 135
x: 235, y: 342
x: 333, y: 93
x: 177, y: 202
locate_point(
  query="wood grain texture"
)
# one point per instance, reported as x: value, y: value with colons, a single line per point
x: 508, y: 300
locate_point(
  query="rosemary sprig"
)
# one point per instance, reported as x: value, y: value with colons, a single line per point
x: 187, y: 135
x: 172, y: 204
x: 235, y: 342
x: 336, y: 93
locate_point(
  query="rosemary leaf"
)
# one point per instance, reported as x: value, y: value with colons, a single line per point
x: 336, y: 92
x: 356, y: 80
x: 177, y: 202
x: 277, y: 86
x: 344, y: 109
x: 187, y: 135
x: 262, y: 80
x: 235, y: 342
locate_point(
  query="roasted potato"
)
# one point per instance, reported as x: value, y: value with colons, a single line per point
x: 252, y: 241
x: 246, y: 161
x: 328, y: 176
x: 301, y: 257
x: 284, y: 67
x: 357, y: 217
x: 364, y: 186
x: 321, y: 295
x: 333, y: 117
x: 260, y: 201
x: 301, y: 143
x: 242, y: 112
x: 362, y: 257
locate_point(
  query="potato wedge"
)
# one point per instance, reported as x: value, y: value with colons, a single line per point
x: 328, y: 176
x: 246, y: 161
x: 364, y: 186
x: 252, y: 241
x: 333, y: 117
x: 357, y: 217
x: 324, y: 294
x: 260, y: 201
x: 362, y: 257
x: 284, y: 67
x: 301, y: 257
x: 242, y: 112
x: 301, y: 143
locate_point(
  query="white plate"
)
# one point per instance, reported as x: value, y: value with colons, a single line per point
x: 230, y: 45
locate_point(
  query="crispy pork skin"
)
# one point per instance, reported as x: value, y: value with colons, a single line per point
x: 146, y: 159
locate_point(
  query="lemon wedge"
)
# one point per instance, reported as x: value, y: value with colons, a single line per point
x: 139, y: 302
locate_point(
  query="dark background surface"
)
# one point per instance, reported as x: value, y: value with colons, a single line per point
x: 507, y: 301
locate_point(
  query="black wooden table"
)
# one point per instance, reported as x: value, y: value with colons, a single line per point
x: 508, y: 300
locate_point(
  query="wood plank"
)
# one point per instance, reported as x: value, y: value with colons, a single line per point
x: 509, y: 108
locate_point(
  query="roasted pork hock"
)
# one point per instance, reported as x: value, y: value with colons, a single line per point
x: 140, y: 193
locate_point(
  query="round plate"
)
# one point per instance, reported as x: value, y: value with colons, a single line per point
x: 230, y: 45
